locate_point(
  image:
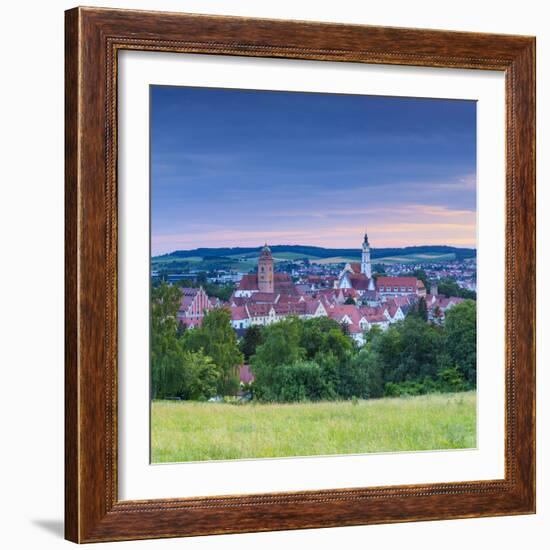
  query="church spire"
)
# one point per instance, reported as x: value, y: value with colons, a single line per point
x: 366, y: 268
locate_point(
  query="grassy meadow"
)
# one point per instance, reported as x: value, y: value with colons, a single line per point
x: 187, y: 431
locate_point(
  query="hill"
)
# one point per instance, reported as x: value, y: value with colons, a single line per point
x: 244, y: 259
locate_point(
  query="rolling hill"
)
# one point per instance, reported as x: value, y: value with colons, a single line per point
x: 244, y: 259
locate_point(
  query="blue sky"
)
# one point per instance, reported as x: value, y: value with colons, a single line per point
x: 241, y: 167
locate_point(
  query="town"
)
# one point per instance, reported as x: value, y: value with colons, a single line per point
x: 358, y: 296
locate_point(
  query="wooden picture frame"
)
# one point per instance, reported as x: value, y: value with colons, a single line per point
x: 93, y: 511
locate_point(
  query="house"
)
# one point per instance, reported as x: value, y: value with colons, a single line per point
x: 240, y: 318
x: 438, y: 305
x: 245, y: 374
x: 393, y: 311
x: 400, y: 286
x: 352, y: 317
x: 193, y: 306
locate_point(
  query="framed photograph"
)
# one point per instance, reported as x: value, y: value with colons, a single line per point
x: 300, y: 275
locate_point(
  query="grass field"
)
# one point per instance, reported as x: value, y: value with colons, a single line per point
x: 416, y: 258
x: 188, y: 431
x: 335, y: 260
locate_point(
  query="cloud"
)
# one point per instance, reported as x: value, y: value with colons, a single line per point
x: 413, y: 224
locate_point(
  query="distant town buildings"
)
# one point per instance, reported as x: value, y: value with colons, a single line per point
x: 352, y: 297
x: 400, y: 286
x: 194, y: 304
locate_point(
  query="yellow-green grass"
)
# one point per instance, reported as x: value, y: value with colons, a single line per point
x: 416, y: 258
x: 189, y: 431
x: 335, y: 260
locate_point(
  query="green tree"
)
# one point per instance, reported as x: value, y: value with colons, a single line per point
x: 421, y: 345
x: 217, y: 339
x: 349, y: 301
x: 200, y: 376
x: 460, y: 339
x: 419, y: 310
x: 388, y: 345
x: 336, y: 342
x: 202, y: 279
x: 368, y: 364
x: 449, y: 287
x: 451, y: 380
x: 165, y: 351
x: 165, y: 302
x: 313, y: 333
x: 409, y: 350
x: 281, y: 347
x: 373, y: 332
x: 252, y: 338
x: 298, y: 381
x: 182, y: 327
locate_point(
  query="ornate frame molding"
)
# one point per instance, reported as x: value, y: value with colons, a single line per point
x: 93, y: 38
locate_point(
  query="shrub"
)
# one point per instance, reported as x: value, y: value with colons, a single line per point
x: 298, y: 381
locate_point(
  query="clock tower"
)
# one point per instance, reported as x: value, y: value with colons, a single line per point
x: 265, y: 271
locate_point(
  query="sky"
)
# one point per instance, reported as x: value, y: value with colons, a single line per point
x: 244, y: 167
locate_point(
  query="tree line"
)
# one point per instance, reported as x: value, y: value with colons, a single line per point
x: 309, y: 360
x: 191, y: 364
x: 296, y: 360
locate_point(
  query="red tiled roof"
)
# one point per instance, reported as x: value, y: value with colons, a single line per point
x: 392, y: 309
x: 281, y: 282
x: 359, y: 281
x: 259, y: 310
x: 249, y: 282
x: 401, y: 300
x: 237, y: 300
x: 189, y: 291
x: 186, y: 301
x: 289, y: 308
x: 377, y: 319
x: 347, y: 292
x: 396, y: 281
x: 339, y: 312
x: 312, y: 306
x: 188, y: 295
x: 408, y: 282
x: 290, y: 298
x: 264, y: 297
x: 355, y: 267
x: 239, y: 313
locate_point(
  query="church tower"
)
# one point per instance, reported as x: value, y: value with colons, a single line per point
x: 265, y: 271
x: 365, y: 258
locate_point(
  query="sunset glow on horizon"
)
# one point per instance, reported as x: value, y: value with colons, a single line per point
x: 237, y: 168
